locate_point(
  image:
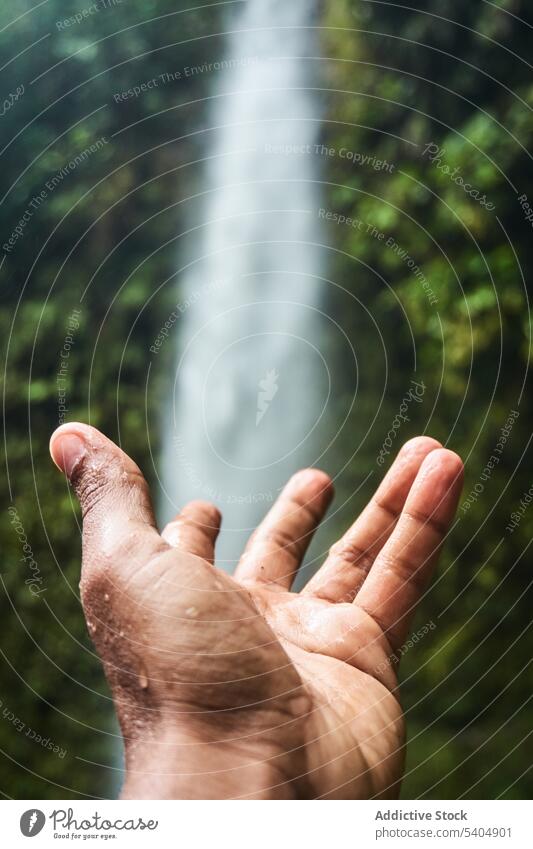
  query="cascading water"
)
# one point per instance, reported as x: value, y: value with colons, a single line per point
x: 251, y: 384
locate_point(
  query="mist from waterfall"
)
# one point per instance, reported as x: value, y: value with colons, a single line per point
x: 250, y: 382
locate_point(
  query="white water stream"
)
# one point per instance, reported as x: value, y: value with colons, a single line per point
x: 251, y: 384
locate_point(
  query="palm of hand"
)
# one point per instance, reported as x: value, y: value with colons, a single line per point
x: 300, y: 685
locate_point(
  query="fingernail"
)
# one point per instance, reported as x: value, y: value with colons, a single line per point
x: 432, y: 461
x: 313, y: 480
x: 303, y: 477
x: 67, y: 451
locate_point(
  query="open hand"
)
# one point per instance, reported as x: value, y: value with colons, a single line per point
x: 235, y: 687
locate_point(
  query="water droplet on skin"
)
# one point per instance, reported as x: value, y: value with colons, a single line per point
x: 106, y: 597
x: 121, y: 634
x: 192, y: 611
x: 143, y: 680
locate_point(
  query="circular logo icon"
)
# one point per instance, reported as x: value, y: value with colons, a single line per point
x: 32, y: 822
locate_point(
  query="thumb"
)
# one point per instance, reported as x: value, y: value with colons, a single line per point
x: 113, y: 494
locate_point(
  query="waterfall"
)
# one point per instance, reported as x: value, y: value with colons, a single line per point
x: 251, y: 384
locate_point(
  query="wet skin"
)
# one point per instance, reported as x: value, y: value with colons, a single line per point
x: 236, y: 687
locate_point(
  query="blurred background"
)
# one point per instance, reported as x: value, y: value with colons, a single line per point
x: 241, y: 237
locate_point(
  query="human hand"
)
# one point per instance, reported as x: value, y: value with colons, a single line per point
x: 234, y: 687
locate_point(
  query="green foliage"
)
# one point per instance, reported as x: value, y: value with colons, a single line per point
x: 106, y: 241
x: 423, y: 81
x: 102, y: 242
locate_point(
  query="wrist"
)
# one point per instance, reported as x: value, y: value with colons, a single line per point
x: 170, y: 765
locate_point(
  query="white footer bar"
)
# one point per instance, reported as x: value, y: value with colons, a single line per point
x: 267, y: 825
